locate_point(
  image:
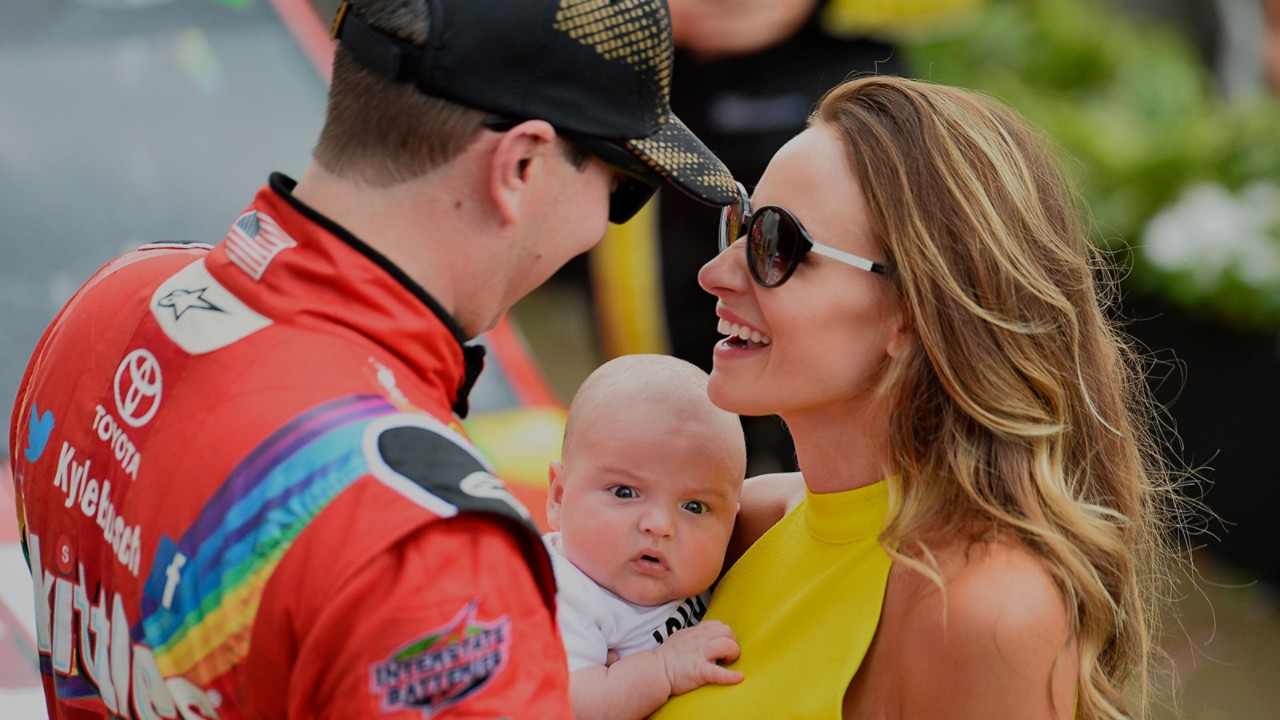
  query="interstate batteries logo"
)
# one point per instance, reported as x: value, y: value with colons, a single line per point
x: 445, y: 667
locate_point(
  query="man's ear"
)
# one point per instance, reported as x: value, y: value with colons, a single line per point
x: 555, y: 493
x: 515, y: 163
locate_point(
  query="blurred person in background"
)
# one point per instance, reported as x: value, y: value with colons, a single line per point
x: 1272, y: 57
x: 1233, y: 38
x: 242, y: 485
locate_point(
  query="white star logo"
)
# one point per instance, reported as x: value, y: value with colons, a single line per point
x: 181, y: 301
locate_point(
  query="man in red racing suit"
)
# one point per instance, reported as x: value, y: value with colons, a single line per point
x: 308, y: 412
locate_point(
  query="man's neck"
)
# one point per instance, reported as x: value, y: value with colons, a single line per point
x: 414, y: 224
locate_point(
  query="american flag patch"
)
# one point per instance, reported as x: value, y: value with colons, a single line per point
x: 254, y: 240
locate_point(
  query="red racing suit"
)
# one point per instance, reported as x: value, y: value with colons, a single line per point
x: 244, y: 494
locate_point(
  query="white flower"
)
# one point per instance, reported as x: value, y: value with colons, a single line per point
x: 1210, y: 232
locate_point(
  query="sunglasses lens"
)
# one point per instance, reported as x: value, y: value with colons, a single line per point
x: 774, y: 243
x: 730, y: 225
x: 732, y: 218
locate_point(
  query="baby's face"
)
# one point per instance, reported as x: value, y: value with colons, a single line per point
x: 645, y: 506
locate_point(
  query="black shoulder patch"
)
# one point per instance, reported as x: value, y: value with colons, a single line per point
x: 442, y: 473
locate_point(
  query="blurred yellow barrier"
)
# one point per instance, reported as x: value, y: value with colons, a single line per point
x: 895, y: 18
x: 521, y: 443
x: 627, y: 287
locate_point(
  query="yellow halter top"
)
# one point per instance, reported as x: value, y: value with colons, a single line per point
x: 804, y: 602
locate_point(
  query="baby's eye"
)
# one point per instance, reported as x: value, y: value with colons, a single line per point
x: 623, y: 491
x: 697, y: 507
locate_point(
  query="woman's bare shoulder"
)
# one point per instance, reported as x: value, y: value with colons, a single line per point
x: 994, y: 639
x: 1001, y: 585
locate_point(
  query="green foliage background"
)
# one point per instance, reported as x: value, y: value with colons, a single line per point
x: 1136, y: 110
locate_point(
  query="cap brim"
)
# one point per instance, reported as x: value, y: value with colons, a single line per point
x: 674, y: 155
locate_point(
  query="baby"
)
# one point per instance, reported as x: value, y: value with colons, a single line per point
x: 642, y: 505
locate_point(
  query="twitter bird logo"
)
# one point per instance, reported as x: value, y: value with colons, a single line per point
x: 39, y: 427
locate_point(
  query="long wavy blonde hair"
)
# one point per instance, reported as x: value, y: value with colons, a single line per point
x: 1023, y: 410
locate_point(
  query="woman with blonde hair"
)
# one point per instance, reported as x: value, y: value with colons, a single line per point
x: 980, y: 525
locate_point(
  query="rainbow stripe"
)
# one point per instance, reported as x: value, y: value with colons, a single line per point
x: 243, y: 531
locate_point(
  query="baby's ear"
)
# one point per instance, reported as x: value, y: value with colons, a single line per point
x: 555, y: 493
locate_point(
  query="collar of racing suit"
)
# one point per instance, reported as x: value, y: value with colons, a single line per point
x: 341, y: 280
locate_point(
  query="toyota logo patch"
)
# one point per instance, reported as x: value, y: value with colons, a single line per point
x: 138, y: 387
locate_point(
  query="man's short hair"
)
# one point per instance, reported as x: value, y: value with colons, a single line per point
x: 382, y: 132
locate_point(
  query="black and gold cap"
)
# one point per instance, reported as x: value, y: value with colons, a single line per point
x: 597, y: 70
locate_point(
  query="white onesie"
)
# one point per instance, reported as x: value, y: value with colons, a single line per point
x: 594, y: 621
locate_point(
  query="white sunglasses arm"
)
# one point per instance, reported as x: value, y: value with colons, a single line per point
x: 844, y: 257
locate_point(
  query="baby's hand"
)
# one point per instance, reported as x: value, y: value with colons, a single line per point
x: 690, y: 656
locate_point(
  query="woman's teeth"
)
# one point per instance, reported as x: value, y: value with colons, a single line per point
x: 742, y: 332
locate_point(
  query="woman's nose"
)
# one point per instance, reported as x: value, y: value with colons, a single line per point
x: 726, y: 271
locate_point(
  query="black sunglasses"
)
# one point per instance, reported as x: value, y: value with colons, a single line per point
x: 777, y: 242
